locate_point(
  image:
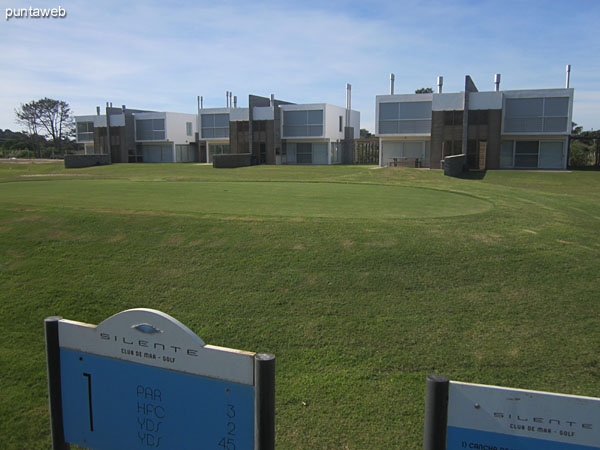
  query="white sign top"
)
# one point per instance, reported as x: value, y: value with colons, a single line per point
x: 568, y: 419
x: 151, y: 337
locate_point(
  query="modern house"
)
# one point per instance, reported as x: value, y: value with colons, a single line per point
x: 317, y: 133
x: 268, y: 131
x: 274, y: 131
x: 165, y: 137
x: 516, y: 129
x: 133, y: 135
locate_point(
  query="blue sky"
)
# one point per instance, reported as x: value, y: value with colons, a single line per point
x: 160, y: 55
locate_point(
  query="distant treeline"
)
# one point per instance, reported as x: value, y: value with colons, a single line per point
x: 15, y: 144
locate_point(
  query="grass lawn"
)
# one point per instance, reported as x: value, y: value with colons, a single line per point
x: 360, y: 281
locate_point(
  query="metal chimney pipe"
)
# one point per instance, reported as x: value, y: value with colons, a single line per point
x: 392, y: 78
x: 440, y: 84
x: 272, y: 100
x: 227, y: 99
x: 235, y: 101
x: 348, y: 103
x: 497, y: 82
x: 97, y: 110
x: 348, y: 96
x: 111, y: 104
x: 123, y: 107
x: 201, y: 102
x: 568, y: 75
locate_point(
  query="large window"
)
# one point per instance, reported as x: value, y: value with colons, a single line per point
x: 155, y: 153
x: 402, y: 150
x: 185, y: 153
x: 150, y: 129
x: 307, y: 153
x: 405, y: 118
x: 303, y: 123
x: 85, y: 131
x: 188, y: 128
x: 536, y: 115
x: 215, y: 126
x: 532, y: 155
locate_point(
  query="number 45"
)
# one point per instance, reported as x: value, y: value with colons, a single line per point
x: 227, y: 444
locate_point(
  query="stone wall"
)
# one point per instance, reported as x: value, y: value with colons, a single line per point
x: 80, y: 161
x: 229, y: 161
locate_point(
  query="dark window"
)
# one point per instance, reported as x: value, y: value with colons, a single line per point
x: 448, y: 118
x: 341, y: 123
x: 451, y: 148
x: 304, y: 153
x: 453, y: 118
x: 526, y: 154
x: 263, y: 153
x: 478, y: 117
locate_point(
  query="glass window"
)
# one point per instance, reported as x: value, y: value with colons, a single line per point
x: 405, y: 118
x: 558, y: 124
x: 341, y: 123
x: 524, y: 107
x: 315, y: 117
x: 304, y: 153
x: 221, y: 120
x: 158, y: 124
x: 526, y: 154
x: 208, y: 120
x: 215, y: 126
x: 552, y: 155
x: 320, y: 154
x: 188, y: 128
x: 506, y: 154
x: 389, y: 111
x: 556, y: 106
x: 303, y: 123
x: 415, y: 110
x: 388, y: 127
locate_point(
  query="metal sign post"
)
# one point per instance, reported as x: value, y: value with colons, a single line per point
x: 474, y: 416
x: 141, y: 379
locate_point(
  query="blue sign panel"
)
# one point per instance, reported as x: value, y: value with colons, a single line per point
x: 112, y: 404
x: 464, y: 438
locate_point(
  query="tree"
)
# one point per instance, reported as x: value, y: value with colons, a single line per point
x: 28, y: 116
x: 52, y: 117
x: 426, y: 90
x: 364, y: 133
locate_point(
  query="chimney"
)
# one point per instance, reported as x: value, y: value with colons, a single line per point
x: 235, y: 101
x: 227, y: 99
x: 201, y: 102
x: 392, y: 78
x: 272, y: 100
x: 97, y: 110
x: 348, y: 103
x: 348, y: 96
x: 568, y: 75
x: 440, y: 84
x: 497, y: 82
x: 111, y: 104
x: 123, y: 108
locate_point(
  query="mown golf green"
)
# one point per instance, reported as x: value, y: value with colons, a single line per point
x: 360, y: 281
